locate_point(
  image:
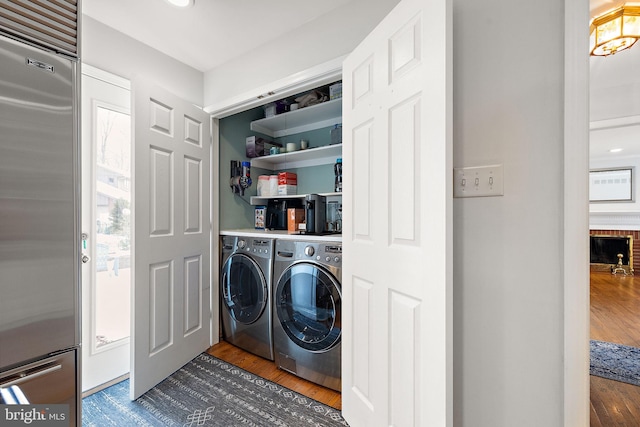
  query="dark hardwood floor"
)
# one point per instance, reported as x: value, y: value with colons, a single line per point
x: 615, y: 317
x: 268, y: 370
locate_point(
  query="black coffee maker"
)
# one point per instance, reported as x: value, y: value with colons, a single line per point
x: 315, y: 213
x: 277, y: 212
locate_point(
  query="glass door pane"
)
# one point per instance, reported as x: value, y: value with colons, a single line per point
x: 113, y: 226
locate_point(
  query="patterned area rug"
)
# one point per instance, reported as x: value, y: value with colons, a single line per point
x: 207, y: 392
x: 615, y: 362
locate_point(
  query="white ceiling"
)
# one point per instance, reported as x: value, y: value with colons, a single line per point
x: 212, y: 31
x: 626, y: 137
x: 599, y: 6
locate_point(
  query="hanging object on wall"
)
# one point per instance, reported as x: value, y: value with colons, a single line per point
x: 614, y: 31
x: 240, y: 176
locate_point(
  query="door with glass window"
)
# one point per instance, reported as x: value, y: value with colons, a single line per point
x: 308, y: 303
x: 243, y: 290
x: 106, y: 227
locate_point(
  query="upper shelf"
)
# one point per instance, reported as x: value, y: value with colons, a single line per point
x: 317, y: 116
x: 310, y: 157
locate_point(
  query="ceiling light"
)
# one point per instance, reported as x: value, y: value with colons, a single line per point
x: 615, y: 150
x: 614, y: 31
x: 181, y: 3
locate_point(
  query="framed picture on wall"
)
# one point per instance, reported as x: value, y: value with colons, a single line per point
x: 611, y: 185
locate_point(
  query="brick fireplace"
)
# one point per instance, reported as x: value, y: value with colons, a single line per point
x: 623, y: 233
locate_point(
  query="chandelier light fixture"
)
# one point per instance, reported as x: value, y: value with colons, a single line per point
x: 614, y: 31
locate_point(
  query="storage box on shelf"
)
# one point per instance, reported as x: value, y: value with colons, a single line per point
x: 287, y: 184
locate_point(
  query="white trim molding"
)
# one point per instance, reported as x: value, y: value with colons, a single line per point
x: 105, y: 76
x: 614, y: 123
x: 614, y: 220
x: 576, y: 214
x: 299, y: 82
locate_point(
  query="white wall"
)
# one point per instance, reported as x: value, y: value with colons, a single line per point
x: 615, y: 85
x: 317, y: 42
x: 614, y: 95
x: 508, y: 251
x: 112, y: 51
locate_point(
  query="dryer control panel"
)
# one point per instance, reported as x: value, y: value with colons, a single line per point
x: 322, y: 252
x: 257, y: 247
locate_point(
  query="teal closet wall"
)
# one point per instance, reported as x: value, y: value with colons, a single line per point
x: 235, y: 210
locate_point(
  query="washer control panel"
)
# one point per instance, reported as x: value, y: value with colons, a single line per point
x: 327, y: 253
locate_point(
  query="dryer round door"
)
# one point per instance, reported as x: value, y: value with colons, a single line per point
x: 243, y: 288
x: 308, y: 303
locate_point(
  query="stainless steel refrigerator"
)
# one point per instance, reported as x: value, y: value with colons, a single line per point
x: 39, y: 217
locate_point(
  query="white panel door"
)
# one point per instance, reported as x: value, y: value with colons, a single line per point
x: 172, y: 253
x: 397, y: 238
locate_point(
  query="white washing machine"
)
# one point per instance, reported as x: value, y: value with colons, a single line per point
x: 245, y: 293
x: 307, y: 310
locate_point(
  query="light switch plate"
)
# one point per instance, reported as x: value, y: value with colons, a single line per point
x: 478, y: 181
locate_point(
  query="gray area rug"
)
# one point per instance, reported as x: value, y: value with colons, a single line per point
x: 615, y: 362
x: 207, y: 392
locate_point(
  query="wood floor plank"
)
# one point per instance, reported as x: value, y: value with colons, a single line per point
x: 615, y: 317
x: 594, y: 419
x: 268, y: 370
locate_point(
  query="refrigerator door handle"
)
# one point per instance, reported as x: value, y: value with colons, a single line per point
x: 29, y: 375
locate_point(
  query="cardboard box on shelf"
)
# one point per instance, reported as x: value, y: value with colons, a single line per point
x: 261, y: 212
x: 295, y: 217
x: 270, y: 110
x: 287, y: 178
x: 335, y: 91
x: 287, y: 190
x: 258, y: 147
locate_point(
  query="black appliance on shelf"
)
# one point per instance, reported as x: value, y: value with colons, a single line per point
x: 315, y: 213
x: 277, y: 212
